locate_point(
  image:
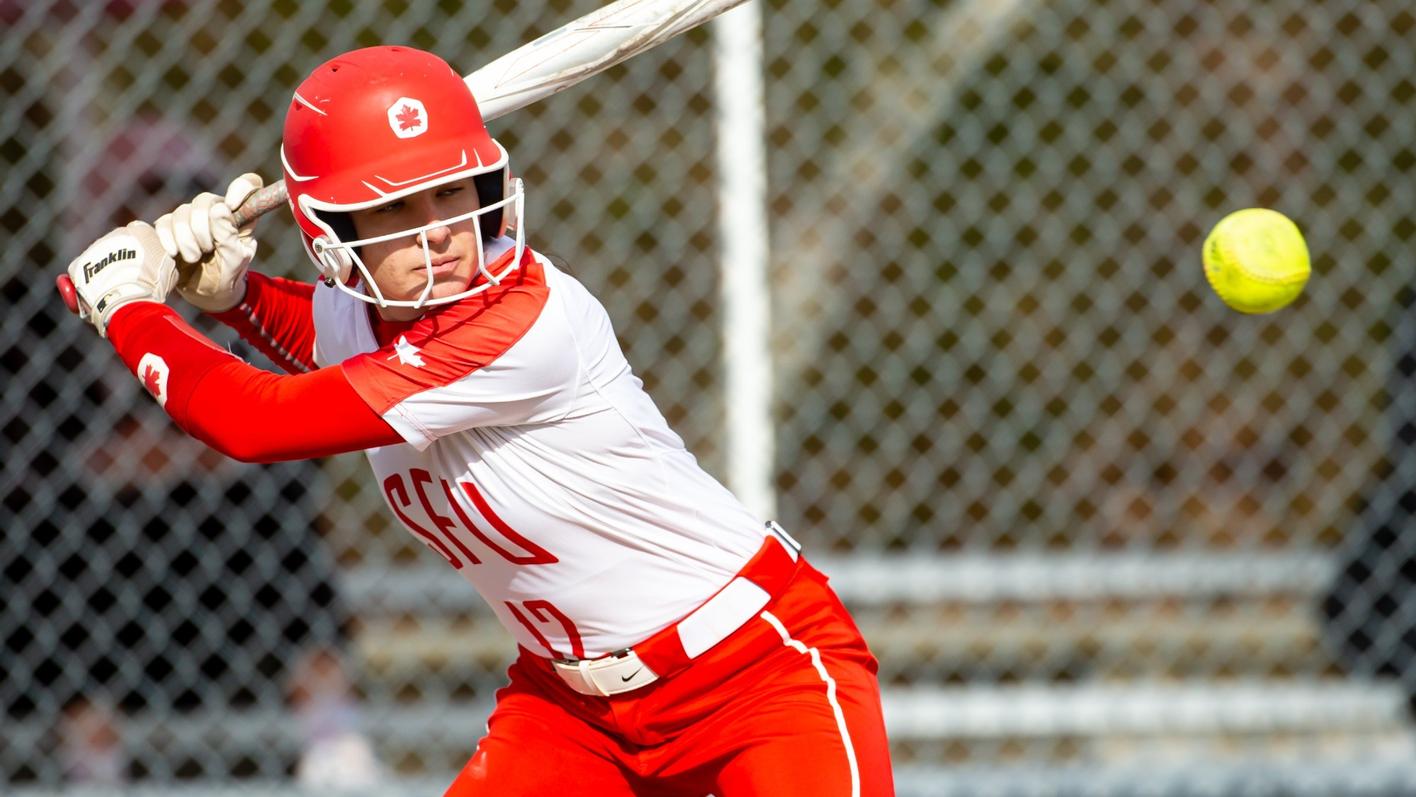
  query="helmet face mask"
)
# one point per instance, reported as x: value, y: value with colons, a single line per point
x: 338, y: 258
x: 383, y: 123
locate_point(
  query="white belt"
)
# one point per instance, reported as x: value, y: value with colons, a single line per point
x: 747, y: 594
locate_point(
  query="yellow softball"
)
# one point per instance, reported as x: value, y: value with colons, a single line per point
x: 1256, y: 260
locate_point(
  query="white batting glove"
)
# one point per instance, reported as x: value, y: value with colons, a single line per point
x: 212, y: 255
x: 127, y: 265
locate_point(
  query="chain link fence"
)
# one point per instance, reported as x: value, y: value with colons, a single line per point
x: 1105, y: 535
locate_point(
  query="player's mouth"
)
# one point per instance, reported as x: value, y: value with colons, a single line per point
x: 445, y: 264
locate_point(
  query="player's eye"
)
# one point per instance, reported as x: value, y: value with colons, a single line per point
x: 392, y: 207
x: 450, y: 191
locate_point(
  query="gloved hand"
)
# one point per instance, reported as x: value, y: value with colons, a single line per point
x: 127, y: 265
x: 212, y: 254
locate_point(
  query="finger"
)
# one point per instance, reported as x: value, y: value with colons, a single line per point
x: 222, y: 221
x: 241, y: 189
x: 163, y: 225
x: 201, y: 221
x: 188, y: 249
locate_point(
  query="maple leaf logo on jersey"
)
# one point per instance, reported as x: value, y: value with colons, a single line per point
x: 152, y: 370
x: 407, y: 118
x: 407, y: 353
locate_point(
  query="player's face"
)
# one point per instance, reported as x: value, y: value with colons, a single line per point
x: 399, y: 266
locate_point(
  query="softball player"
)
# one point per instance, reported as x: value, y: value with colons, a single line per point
x: 669, y: 641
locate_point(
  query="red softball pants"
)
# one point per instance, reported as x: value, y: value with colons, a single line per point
x: 787, y: 705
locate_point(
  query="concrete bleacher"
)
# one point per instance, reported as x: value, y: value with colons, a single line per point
x: 1109, y: 662
x: 1002, y: 674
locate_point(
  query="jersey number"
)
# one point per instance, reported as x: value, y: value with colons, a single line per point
x: 504, y: 541
x: 545, y: 613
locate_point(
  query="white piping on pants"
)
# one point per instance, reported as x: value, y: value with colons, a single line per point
x: 830, y: 694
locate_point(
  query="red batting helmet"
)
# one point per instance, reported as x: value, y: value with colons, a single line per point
x: 377, y: 124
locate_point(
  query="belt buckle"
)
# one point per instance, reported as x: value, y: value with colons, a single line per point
x: 602, y: 677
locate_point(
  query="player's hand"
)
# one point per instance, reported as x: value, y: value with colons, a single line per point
x: 212, y: 255
x: 127, y: 265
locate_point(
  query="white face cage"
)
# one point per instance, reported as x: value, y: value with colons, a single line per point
x: 336, y: 256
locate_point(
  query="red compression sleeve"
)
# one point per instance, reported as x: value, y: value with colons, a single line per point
x: 275, y: 317
x: 236, y: 408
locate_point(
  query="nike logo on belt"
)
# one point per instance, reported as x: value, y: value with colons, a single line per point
x: 625, y: 679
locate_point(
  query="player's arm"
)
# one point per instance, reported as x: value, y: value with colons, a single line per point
x: 213, y: 261
x: 274, y: 315
x: 240, y: 410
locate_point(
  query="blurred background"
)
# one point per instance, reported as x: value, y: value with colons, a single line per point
x: 1105, y: 535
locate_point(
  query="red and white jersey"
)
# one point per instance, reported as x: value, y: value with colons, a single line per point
x: 536, y: 464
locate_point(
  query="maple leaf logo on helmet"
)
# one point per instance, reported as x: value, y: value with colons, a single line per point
x: 407, y: 118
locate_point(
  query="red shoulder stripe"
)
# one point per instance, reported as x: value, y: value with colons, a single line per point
x: 451, y: 341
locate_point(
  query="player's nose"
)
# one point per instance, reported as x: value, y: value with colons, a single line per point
x: 431, y: 215
x: 439, y: 234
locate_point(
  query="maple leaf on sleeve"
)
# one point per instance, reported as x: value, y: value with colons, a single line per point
x: 152, y: 380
